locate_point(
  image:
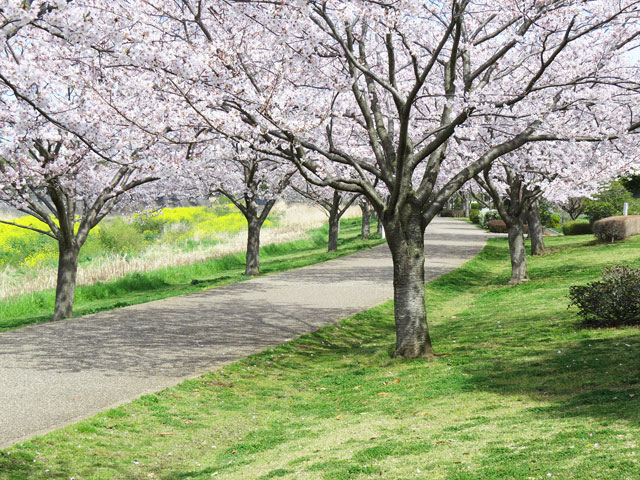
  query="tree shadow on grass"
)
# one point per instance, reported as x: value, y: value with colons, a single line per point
x: 594, y: 377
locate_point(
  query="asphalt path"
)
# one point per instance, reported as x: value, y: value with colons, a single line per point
x: 55, y: 374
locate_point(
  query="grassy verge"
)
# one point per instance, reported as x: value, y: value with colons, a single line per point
x: 171, y: 281
x: 520, y: 393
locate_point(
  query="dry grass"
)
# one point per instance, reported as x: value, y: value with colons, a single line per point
x: 8, y: 214
x: 294, y: 221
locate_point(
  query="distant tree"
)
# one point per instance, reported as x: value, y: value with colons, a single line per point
x: 574, y: 206
x: 334, y: 202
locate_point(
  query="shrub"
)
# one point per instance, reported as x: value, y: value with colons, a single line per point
x: 554, y: 222
x: 616, y: 228
x: 485, y: 215
x: 498, y: 226
x: 577, y: 227
x: 149, y: 224
x: 447, y: 212
x: 119, y: 237
x: 473, y: 216
x: 475, y: 206
x: 612, y: 302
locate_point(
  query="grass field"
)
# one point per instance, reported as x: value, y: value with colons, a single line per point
x: 140, y: 287
x: 520, y: 393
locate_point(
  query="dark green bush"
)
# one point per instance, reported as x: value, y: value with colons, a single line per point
x: 475, y: 206
x: 577, y: 227
x: 473, y: 216
x: 613, y: 302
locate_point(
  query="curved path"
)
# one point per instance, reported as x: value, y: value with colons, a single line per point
x: 57, y: 373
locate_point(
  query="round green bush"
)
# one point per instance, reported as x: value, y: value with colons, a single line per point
x: 612, y: 302
x: 474, y: 216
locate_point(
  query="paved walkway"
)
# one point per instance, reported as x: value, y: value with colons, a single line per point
x: 57, y: 373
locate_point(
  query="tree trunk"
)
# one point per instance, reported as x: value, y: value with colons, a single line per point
x: 334, y: 221
x: 334, y: 231
x: 536, y: 232
x: 518, y: 253
x: 255, y: 220
x: 405, y: 236
x: 366, y: 219
x: 66, y: 284
x: 467, y: 204
x: 252, y: 263
x: 379, y: 226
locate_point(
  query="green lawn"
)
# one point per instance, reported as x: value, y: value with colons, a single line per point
x: 171, y: 281
x: 520, y: 392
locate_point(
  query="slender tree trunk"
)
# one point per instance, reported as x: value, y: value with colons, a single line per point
x: 334, y: 222
x: 366, y: 219
x: 66, y: 284
x: 379, y: 226
x: 467, y: 204
x: 405, y: 236
x: 518, y: 252
x: 536, y: 232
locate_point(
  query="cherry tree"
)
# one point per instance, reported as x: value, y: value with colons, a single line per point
x: 395, y: 94
x: 65, y: 159
x: 253, y: 182
x: 334, y: 202
x: 513, y: 197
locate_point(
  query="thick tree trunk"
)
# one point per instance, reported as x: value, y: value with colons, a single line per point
x: 334, y: 231
x: 255, y: 220
x: 518, y: 253
x: 366, y: 219
x: 252, y: 263
x: 66, y: 285
x: 405, y: 237
x: 536, y: 232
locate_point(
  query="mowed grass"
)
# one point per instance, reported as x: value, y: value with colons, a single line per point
x: 520, y: 393
x: 137, y: 288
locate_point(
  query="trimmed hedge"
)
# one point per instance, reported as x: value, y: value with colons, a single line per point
x: 474, y: 216
x: 447, y: 212
x: 617, y: 228
x: 577, y: 227
x: 498, y: 226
